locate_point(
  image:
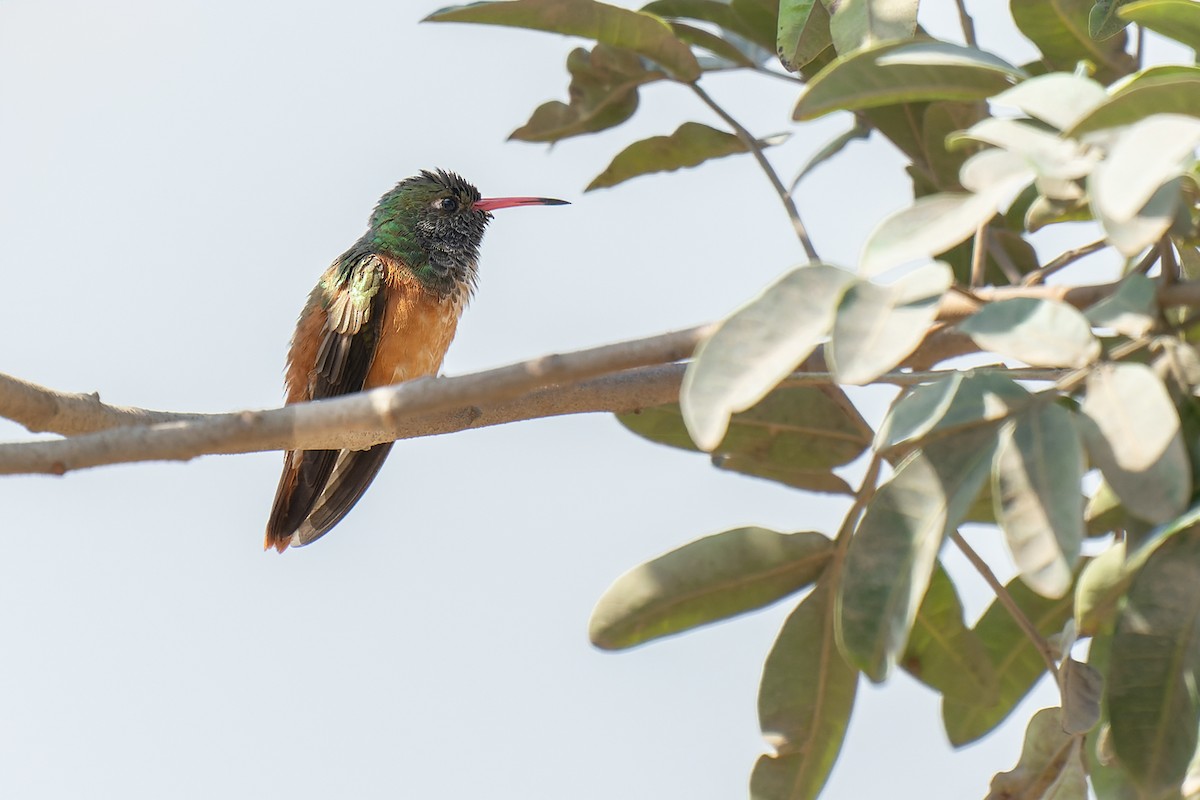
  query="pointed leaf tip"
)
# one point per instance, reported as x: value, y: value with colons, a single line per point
x: 690, y: 145
x: 705, y: 581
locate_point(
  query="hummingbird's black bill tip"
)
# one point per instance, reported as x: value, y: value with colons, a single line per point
x: 493, y: 203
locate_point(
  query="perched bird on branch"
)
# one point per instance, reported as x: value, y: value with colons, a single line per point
x: 384, y: 312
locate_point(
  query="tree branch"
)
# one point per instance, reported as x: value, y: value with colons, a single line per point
x: 612, y: 378
x: 358, y: 421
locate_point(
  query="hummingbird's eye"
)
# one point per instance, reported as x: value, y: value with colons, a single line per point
x: 447, y: 204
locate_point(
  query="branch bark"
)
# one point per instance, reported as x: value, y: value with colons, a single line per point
x: 616, y: 378
x: 415, y: 408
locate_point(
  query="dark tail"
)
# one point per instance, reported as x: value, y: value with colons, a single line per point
x: 317, y: 490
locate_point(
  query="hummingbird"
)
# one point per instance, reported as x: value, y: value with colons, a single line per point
x: 384, y: 312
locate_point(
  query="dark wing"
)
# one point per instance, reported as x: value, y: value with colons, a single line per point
x: 351, y: 299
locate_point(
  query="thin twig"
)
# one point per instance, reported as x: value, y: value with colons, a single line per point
x: 1169, y: 273
x: 1063, y: 261
x: 979, y: 256
x: 1004, y: 261
x: 968, y: 25
x: 755, y: 148
x: 1148, y: 261
x: 1006, y: 600
x: 1073, y: 380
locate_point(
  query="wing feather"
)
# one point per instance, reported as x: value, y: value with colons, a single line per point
x: 351, y: 300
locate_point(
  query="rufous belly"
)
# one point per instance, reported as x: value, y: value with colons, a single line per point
x: 418, y: 327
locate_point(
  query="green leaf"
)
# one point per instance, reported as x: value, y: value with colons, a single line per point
x: 1044, y: 211
x: 1151, y: 222
x: 1047, y: 154
x: 1189, y: 260
x: 862, y: 23
x: 1159, y: 90
x: 1175, y: 19
x: 899, y: 72
x: 691, y: 144
x: 1155, y: 668
x: 722, y: 48
x: 930, y: 225
x: 1131, y: 310
x: 804, y: 703
x: 644, y: 34
x: 1103, y: 21
x: 782, y: 471
x: 831, y: 149
x: 950, y: 405
x: 761, y: 18
x: 708, y: 580
x: 942, y: 652
x: 795, y: 435
x: 1043, y: 333
x: 1082, y: 687
x: 757, y: 346
x: 803, y: 32
x: 939, y: 121
x: 1059, y: 99
x: 1132, y: 433
x: 718, y: 12
x: 1109, y: 780
x: 1051, y: 766
x: 1014, y: 658
x: 892, y: 554
x: 877, y: 326
x: 1147, y: 155
x: 1101, y: 586
x: 1036, y: 488
x: 1059, y: 28
x: 603, y: 91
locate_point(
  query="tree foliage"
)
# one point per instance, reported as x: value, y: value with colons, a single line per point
x: 1096, y: 381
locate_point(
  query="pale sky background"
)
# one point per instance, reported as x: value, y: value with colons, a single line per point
x: 173, y: 179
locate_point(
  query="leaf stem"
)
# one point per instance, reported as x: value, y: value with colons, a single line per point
x: 1023, y: 622
x: 755, y: 148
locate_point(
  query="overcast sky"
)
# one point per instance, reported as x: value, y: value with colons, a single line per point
x: 173, y: 179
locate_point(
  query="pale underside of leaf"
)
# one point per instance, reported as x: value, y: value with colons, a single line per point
x: 1146, y: 156
x: 1132, y: 432
x: 1038, y: 331
x: 877, y: 326
x: 1036, y: 489
x: 1058, y: 98
x: 756, y: 347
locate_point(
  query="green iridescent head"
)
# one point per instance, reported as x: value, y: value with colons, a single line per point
x: 434, y: 223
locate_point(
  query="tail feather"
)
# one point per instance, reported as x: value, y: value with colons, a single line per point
x: 318, y: 489
x: 353, y: 475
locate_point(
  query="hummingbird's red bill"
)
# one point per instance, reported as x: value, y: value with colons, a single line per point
x: 492, y: 203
